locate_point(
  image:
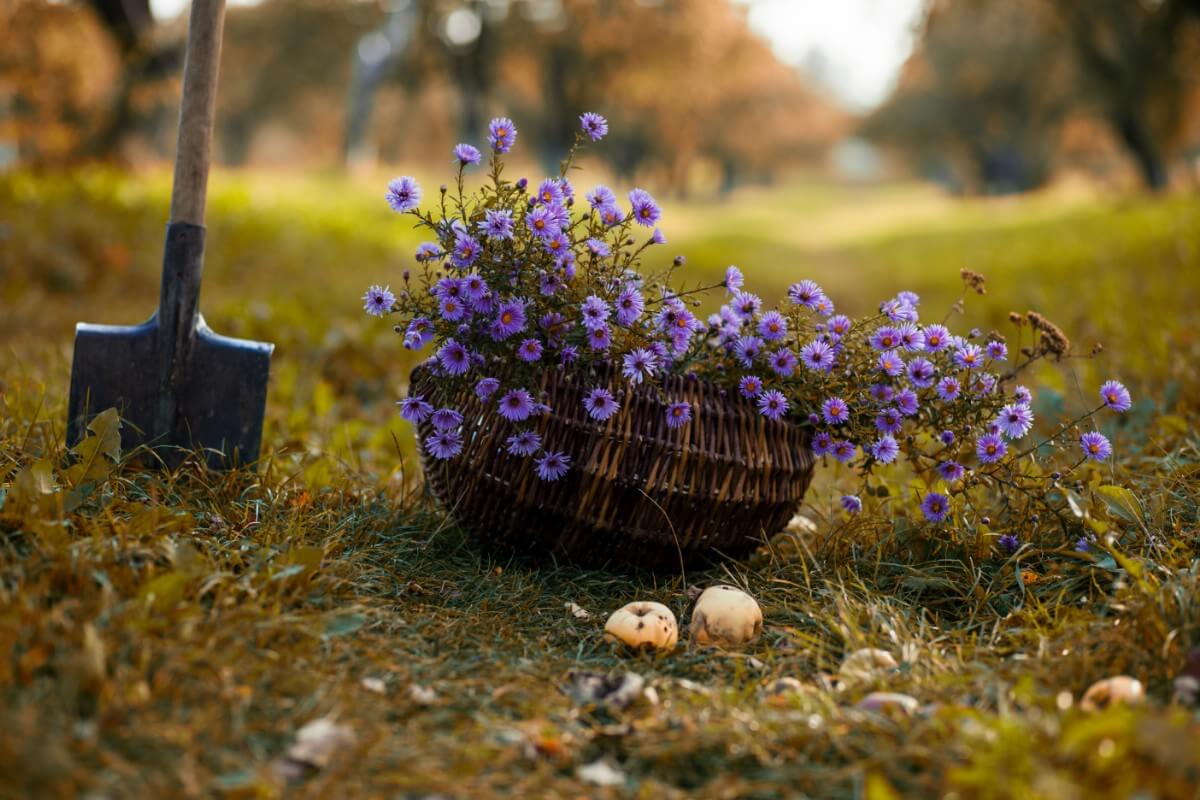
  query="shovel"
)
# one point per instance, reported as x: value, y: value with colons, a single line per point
x: 178, y: 385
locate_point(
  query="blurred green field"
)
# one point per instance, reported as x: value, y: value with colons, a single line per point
x: 170, y: 635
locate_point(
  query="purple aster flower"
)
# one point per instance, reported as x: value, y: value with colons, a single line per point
x: 838, y: 326
x: 1009, y: 542
x: 881, y: 393
x: 639, y: 364
x: 598, y: 248
x: 446, y: 419
x: 427, y: 251
x: 601, y: 196
x: 444, y: 444
x: 851, y: 504
x: 486, y: 304
x: 886, y: 338
x: 549, y: 283
x: 947, y: 437
x: 502, y: 134
x: 948, y: 389
x: 822, y: 443
x: 885, y: 449
x: 486, y: 388
x: 843, y: 451
x: 530, y: 350
x: 906, y: 401
x: 418, y: 334
x: 996, y: 350
x: 990, y: 448
x: 1022, y: 395
x: 510, y: 320
x: 734, y: 280
x: 568, y: 355
x: 550, y: 193
x: 748, y: 348
x: 898, y: 311
x: 911, y: 337
x: 541, y: 223
x: 474, y: 287
x: 679, y: 414
x: 950, y: 470
x: 969, y: 356
x: 1083, y: 545
x: 805, y: 293
x: 516, y: 405
x: 594, y: 125
x: 750, y: 386
x: 454, y: 358
x: 1116, y: 396
x: 595, y: 312
x: 1015, y: 420
x: 466, y: 154
x: 772, y: 326
x: 921, y: 373
x: 525, y: 443
x: 835, y: 411
x: 983, y: 384
x: 629, y: 306
x: 452, y: 309
x: 772, y: 404
x: 465, y: 252
x: 935, y: 506
x: 824, y: 306
x: 891, y: 364
x: 937, y: 338
x: 889, y: 420
x: 909, y: 298
x: 600, y: 404
x: 379, y: 299
x: 403, y: 194
x: 415, y: 409
x: 817, y: 356
x: 645, y: 211
x: 599, y: 337
x: 497, y: 224
x: 783, y: 363
x: 745, y: 305
x: 552, y: 466
x: 610, y: 214
x: 557, y: 244
x: 1095, y: 446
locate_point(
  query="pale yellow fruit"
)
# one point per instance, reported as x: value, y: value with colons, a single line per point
x: 643, y: 625
x: 726, y: 615
x: 864, y: 666
x: 1110, y: 691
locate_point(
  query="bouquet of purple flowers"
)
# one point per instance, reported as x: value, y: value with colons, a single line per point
x: 519, y: 279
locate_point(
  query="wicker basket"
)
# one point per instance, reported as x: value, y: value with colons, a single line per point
x: 638, y: 493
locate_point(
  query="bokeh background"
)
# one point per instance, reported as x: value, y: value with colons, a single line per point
x: 874, y: 145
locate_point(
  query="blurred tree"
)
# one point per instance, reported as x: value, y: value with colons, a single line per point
x: 1136, y: 60
x: 982, y: 96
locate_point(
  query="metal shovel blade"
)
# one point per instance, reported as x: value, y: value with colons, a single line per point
x: 177, y: 385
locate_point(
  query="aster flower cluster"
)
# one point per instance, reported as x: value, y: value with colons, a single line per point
x: 890, y: 388
x: 519, y: 278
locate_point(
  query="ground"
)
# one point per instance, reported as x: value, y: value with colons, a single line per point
x: 170, y: 634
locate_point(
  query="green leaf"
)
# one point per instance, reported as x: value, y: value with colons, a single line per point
x: 344, y: 624
x: 1121, y: 502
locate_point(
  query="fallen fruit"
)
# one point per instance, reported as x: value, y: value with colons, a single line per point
x: 882, y: 702
x: 1110, y: 691
x: 864, y: 666
x: 725, y: 615
x: 643, y: 625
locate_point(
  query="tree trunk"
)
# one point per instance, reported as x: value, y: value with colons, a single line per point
x: 1141, y: 146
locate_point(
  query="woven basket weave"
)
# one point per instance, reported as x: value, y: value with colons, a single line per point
x: 638, y: 492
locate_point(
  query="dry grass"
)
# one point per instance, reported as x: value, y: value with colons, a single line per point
x: 169, y: 634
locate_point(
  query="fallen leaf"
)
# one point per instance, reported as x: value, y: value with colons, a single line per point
x: 578, y: 611
x: 319, y: 742
x: 422, y: 695
x: 596, y: 688
x: 600, y: 773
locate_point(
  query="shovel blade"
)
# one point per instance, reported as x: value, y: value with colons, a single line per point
x: 217, y: 407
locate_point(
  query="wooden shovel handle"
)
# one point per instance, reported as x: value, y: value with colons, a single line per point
x: 197, y: 110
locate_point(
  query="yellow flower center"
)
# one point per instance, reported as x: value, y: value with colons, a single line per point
x: 506, y: 317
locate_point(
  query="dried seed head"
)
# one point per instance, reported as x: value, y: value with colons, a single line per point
x: 974, y: 280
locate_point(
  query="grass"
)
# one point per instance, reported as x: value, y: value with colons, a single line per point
x: 169, y: 634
